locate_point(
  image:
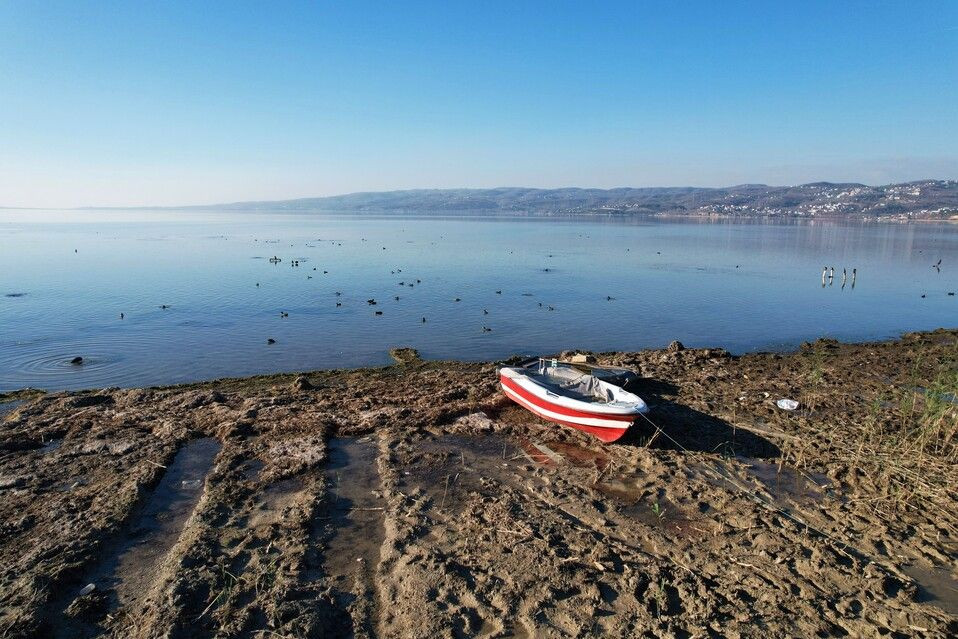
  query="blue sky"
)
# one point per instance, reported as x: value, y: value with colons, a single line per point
x: 135, y: 103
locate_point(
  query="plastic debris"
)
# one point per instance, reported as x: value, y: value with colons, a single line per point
x: 787, y: 404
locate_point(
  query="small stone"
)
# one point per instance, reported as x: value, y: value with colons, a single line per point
x: 302, y: 383
x: 120, y: 447
x: 404, y: 355
x: 10, y: 482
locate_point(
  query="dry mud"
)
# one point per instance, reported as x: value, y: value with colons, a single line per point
x: 414, y: 501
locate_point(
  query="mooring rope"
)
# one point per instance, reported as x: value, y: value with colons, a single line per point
x: 840, y: 545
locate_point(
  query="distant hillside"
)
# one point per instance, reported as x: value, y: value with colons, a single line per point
x: 929, y: 199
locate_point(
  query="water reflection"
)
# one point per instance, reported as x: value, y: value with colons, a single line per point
x: 85, y: 284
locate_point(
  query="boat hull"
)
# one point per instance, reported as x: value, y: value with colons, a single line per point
x: 603, y: 425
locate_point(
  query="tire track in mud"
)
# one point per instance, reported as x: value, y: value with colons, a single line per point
x: 129, y: 564
x: 347, y: 533
x: 241, y: 576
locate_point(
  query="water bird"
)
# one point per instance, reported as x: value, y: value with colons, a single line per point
x: 396, y: 298
x: 164, y: 306
x: 371, y: 302
x: 609, y: 298
x: 424, y: 320
x: 552, y: 308
x: 486, y: 329
x: 338, y: 304
x: 418, y: 281
x: 922, y: 296
x: 325, y: 272
x: 485, y: 312
x: 122, y: 316
x: 457, y: 300
x: 76, y: 361
x: 257, y: 283
x: 283, y: 314
x: 545, y: 270
x: 498, y: 292
x: 379, y: 312
x: 338, y: 293
x: 937, y: 266
x: 951, y: 293
x: 271, y: 341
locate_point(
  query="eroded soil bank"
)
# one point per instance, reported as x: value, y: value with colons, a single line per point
x: 415, y: 501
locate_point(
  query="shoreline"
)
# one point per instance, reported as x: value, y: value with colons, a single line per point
x: 414, y: 496
x: 30, y: 392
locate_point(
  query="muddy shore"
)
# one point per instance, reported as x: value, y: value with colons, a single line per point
x: 415, y: 501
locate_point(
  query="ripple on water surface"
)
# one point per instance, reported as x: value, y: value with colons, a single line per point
x: 50, y: 364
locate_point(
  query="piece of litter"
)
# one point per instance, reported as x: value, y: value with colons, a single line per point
x: 87, y: 589
x: 190, y: 484
x: 787, y: 404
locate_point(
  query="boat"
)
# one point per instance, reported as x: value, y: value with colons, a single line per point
x: 583, y: 397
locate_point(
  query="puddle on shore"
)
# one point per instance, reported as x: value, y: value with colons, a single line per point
x: 130, y: 565
x: 355, y: 515
x: 450, y: 467
x: 162, y: 519
x: 274, y: 501
x: 947, y: 398
x: 630, y: 499
x: 936, y: 586
x: 655, y: 512
x: 558, y: 453
x: 133, y: 565
x: 51, y: 446
x: 9, y: 407
x: 785, y: 483
x: 252, y: 468
x: 351, y: 532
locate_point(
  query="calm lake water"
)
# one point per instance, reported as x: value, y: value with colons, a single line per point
x: 66, y: 276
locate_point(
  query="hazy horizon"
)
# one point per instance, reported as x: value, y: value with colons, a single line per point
x: 450, y: 189
x: 109, y: 105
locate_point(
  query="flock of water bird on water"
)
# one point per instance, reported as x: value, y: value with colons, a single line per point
x: 828, y: 279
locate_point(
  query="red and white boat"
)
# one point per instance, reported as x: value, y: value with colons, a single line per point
x: 565, y: 394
